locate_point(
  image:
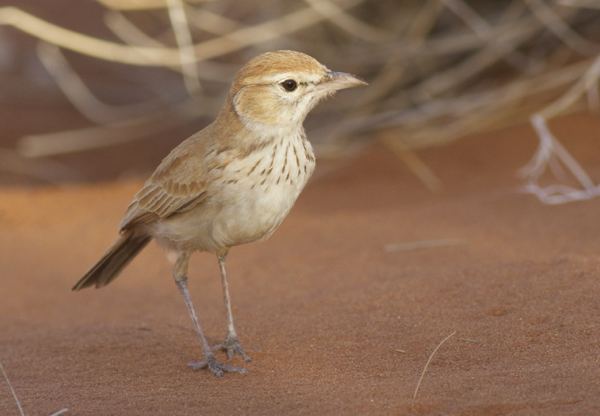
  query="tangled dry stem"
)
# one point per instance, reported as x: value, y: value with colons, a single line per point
x: 439, y: 70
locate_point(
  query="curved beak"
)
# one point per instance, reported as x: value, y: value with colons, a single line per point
x: 341, y: 80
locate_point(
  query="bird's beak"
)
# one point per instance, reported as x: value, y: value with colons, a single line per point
x: 341, y: 80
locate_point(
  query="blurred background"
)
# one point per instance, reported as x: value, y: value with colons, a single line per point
x: 412, y: 230
x: 101, y: 90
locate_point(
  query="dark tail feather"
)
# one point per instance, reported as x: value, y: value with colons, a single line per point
x: 115, y: 259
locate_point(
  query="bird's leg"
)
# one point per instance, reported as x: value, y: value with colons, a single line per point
x: 209, y: 361
x: 231, y: 345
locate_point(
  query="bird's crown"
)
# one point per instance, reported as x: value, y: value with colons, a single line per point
x: 274, y: 66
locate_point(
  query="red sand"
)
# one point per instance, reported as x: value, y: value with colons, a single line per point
x: 335, y: 324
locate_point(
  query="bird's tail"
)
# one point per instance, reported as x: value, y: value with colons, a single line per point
x: 115, y: 259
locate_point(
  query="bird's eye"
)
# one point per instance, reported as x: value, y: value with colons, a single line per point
x: 289, y: 85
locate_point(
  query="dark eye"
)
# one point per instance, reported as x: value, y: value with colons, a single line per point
x: 289, y: 85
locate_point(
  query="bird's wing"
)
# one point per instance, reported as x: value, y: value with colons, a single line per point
x: 178, y: 185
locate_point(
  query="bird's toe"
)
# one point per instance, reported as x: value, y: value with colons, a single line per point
x: 217, y: 368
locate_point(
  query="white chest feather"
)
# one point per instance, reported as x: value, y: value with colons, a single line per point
x: 259, y: 190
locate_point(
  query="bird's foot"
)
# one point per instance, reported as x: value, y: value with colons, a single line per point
x: 215, y: 367
x: 232, y: 346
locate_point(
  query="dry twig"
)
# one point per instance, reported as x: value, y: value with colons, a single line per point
x: 417, y: 245
x: 12, y: 391
x: 550, y: 150
x: 77, y: 92
x: 181, y: 28
x: 428, y: 362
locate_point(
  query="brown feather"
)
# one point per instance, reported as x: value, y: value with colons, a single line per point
x: 115, y: 259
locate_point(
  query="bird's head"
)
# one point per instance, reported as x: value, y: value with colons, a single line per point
x: 278, y: 89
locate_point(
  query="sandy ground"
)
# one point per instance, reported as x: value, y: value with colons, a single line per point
x: 335, y: 323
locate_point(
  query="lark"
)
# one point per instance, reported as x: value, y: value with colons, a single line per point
x: 231, y: 183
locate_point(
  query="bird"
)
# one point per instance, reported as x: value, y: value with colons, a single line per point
x: 231, y: 183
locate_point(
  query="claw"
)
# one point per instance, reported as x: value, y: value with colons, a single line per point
x: 232, y: 346
x: 215, y: 367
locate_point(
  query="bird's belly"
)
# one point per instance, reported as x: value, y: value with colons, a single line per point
x: 252, y: 214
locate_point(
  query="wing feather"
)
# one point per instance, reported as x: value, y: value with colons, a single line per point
x: 178, y: 185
